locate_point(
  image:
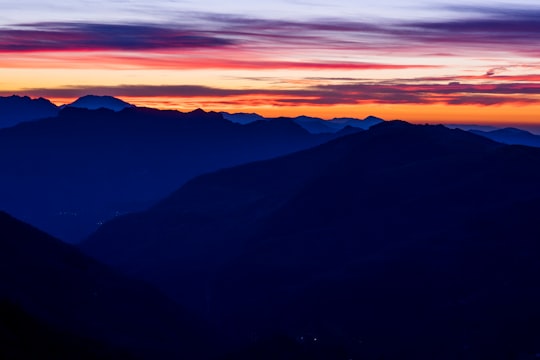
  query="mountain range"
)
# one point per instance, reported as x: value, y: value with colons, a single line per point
x: 311, y: 124
x: 68, y: 174
x: 19, y: 109
x: 230, y: 236
x: 403, y: 241
x: 16, y: 109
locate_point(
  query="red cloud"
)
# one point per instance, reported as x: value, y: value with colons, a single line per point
x: 351, y: 93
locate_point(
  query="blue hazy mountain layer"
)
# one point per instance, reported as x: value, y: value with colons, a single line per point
x: 312, y: 124
x: 511, y: 136
x: 69, y: 174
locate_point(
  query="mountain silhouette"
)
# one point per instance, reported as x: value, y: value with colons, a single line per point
x: 318, y: 126
x: 511, y: 136
x: 364, y: 124
x: 315, y: 125
x: 94, y: 102
x: 24, y: 336
x: 403, y: 241
x: 312, y: 124
x: 56, y: 303
x: 469, y: 127
x: 16, y: 109
x: 68, y: 174
x: 242, y: 118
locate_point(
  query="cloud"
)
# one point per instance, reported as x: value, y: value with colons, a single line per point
x: 486, y: 30
x: 99, y: 37
x: 494, y: 71
x: 490, y: 100
x: 331, y: 94
x: 493, y: 30
x: 187, y: 60
x: 225, y: 42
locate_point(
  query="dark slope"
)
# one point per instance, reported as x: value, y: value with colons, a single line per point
x: 511, y: 136
x: 68, y: 174
x: 15, y: 109
x: 403, y: 241
x: 24, y: 336
x: 58, y: 303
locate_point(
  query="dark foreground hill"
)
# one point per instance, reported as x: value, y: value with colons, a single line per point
x: 401, y: 242
x: 56, y: 303
x: 68, y: 174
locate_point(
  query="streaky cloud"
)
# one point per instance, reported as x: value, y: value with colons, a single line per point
x: 95, y: 37
x: 494, y: 30
x: 452, y: 93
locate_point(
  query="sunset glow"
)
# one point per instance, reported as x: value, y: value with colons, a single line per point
x: 421, y: 63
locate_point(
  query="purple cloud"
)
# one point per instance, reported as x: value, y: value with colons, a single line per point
x: 495, y: 30
x: 86, y: 36
x: 454, y: 93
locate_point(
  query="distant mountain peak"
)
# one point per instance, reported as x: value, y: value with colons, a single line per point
x: 198, y: 111
x: 373, y: 118
x: 94, y: 102
x: 242, y: 118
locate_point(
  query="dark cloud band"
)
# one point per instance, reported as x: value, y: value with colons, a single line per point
x: 351, y: 93
x: 92, y: 37
x: 495, y: 30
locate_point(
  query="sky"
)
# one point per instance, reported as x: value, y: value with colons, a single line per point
x: 420, y: 61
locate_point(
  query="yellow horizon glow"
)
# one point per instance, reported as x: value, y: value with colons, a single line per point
x: 281, y: 86
x: 423, y: 113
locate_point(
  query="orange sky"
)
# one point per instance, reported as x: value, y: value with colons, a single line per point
x: 476, y: 64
